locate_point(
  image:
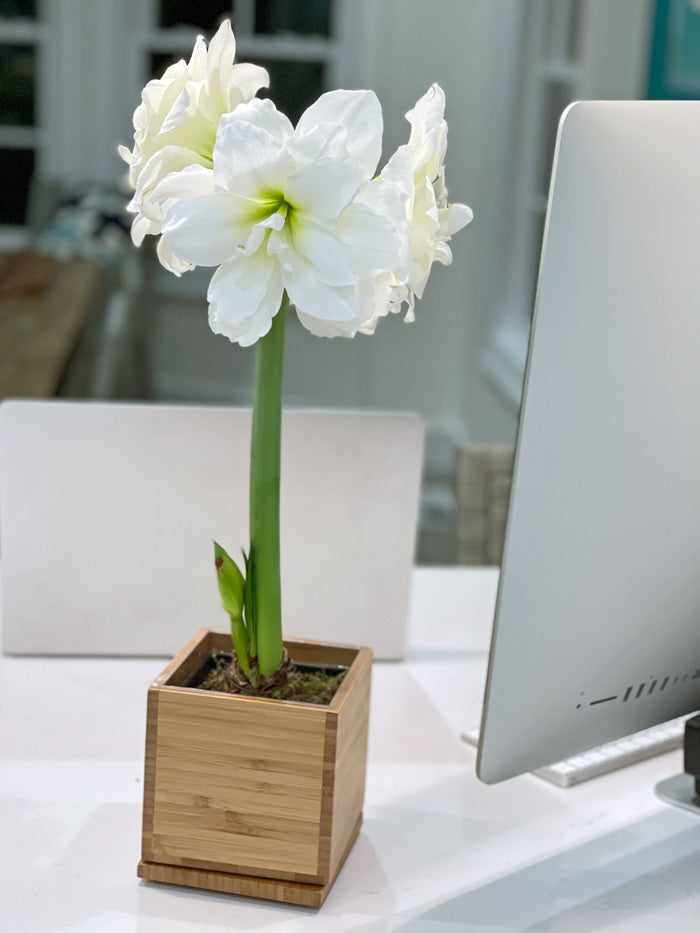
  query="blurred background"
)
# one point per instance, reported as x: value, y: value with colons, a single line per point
x: 84, y: 315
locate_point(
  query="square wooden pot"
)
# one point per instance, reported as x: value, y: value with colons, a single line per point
x: 254, y: 796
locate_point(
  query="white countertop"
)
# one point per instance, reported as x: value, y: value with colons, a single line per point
x: 438, y: 851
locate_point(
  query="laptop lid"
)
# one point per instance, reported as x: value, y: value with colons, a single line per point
x: 108, y: 512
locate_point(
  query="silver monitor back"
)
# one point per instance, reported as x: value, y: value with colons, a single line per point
x: 597, y: 626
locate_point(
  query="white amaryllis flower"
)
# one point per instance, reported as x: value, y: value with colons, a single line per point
x: 175, y: 126
x: 415, y: 175
x: 418, y: 169
x: 378, y: 295
x: 292, y: 209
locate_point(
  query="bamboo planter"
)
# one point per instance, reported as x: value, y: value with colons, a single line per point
x: 254, y: 796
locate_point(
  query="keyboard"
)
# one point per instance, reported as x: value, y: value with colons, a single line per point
x: 606, y: 758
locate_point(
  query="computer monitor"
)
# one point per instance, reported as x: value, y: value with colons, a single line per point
x: 597, y: 624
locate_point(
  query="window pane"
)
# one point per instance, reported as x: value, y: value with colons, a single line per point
x: 300, y: 16
x: 160, y: 61
x: 17, y: 63
x: 17, y: 164
x: 293, y: 85
x: 204, y: 14
x: 25, y: 8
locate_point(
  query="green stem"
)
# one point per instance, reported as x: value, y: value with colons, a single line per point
x: 265, y: 494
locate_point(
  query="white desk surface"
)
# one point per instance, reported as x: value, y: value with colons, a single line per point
x: 438, y: 850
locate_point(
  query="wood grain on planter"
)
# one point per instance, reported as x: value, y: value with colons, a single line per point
x: 240, y: 788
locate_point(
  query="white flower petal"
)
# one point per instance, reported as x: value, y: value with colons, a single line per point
x: 151, y: 194
x: 425, y: 209
x: 360, y: 113
x: 373, y: 238
x: 140, y: 227
x: 454, y: 217
x: 323, y: 141
x: 222, y: 51
x: 244, y: 295
x: 330, y: 257
x: 246, y: 81
x: 399, y: 171
x: 311, y: 296
x: 159, y: 96
x: 322, y: 328
x: 374, y: 302
x: 204, y: 230
x: 323, y: 189
x: 428, y: 139
x: 443, y: 254
x: 197, y: 65
x: 249, y: 147
x: 279, y: 245
x: 259, y: 232
x: 126, y: 155
x: 263, y: 115
x: 169, y: 260
x: 423, y: 238
x: 177, y: 113
x: 379, y: 299
x: 188, y: 182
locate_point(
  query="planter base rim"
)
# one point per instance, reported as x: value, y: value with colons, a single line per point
x: 285, y: 892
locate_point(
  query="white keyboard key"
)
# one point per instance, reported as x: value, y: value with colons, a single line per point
x: 563, y: 767
x: 594, y: 754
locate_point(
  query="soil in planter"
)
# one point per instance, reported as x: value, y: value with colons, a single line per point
x: 305, y: 683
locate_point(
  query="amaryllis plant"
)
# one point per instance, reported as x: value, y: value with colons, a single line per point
x: 287, y: 216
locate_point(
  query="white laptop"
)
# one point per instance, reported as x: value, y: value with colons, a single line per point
x: 108, y: 511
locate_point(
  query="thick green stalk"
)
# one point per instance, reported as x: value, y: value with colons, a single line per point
x: 265, y: 494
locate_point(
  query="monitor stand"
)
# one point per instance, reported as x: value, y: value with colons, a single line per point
x: 679, y: 791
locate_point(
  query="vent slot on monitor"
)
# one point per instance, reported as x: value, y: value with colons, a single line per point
x: 646, y: 688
